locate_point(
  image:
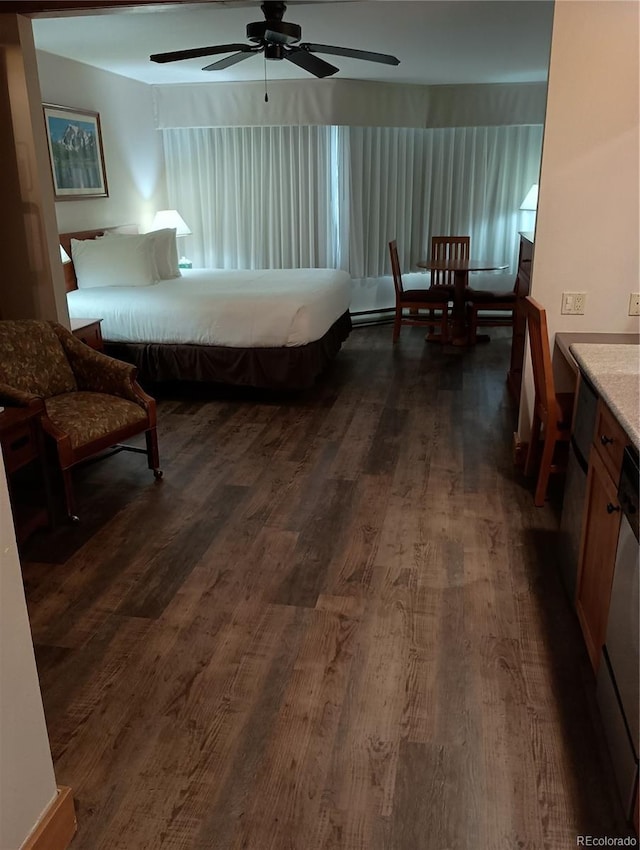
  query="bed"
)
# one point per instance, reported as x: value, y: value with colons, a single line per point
x: 275, y: 329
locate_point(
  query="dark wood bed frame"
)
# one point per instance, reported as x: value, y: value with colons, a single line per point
x: 285, y: 368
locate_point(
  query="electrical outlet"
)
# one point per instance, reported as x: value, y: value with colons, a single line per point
x: 573, y: 303
x: 634, y: 304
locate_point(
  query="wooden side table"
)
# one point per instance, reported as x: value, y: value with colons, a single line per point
x: 88, y: 330
x: 22, y: 444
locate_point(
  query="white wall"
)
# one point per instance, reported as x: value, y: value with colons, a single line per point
x: 587, y: 234
x: 27, y: 783
x: 132, y: 146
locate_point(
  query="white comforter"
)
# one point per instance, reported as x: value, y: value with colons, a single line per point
x: 241, y: 309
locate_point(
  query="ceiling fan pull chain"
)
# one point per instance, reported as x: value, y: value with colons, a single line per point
x: 266, y: 96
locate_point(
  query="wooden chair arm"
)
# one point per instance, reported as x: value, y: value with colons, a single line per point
x: 146, y: 401
x: 12, y: 397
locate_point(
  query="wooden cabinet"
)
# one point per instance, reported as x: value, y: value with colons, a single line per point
x: 23, y: 452
x: 523, y: 285
x: 600, y: 528
x: 88, y: 330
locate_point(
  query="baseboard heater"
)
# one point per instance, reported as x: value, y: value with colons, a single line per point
x: 379, y: 316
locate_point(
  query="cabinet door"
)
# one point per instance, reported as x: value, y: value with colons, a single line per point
x: 597, y: 556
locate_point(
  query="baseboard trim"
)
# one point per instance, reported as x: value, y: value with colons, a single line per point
x: 57, y: 826
x: 519, y: 451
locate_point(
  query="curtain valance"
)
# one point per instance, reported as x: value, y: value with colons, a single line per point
x: 354, y: 103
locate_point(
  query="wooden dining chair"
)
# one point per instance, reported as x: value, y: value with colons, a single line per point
x: 414, y: 300
x: 551, y: 411
x: 488, y: 308
x: 448, y: 248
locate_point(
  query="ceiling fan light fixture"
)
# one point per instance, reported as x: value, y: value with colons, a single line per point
x: 274, y: 51
x: 278, y: 31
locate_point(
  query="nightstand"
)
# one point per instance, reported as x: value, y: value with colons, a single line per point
x: 88, y: 330
x: 22, y: 444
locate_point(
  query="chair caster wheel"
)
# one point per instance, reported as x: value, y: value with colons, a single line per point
x: 157, y: 474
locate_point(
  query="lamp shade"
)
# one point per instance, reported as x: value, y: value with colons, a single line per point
x: 531, y: 199
x: 64, y: 256
x: 170, y: 218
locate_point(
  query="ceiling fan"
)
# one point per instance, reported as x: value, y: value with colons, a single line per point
x: 277, y: 39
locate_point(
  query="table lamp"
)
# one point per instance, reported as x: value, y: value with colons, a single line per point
x: 531, y: 199
x: 173, y: 219
x: 529, y: 208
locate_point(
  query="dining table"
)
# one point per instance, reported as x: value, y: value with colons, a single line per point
x: 460, y: 267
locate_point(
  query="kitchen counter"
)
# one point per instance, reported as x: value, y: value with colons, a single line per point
x: 565, y: 340
x: 614, y: 371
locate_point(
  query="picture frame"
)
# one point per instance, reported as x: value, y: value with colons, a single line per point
x: 76, y: 155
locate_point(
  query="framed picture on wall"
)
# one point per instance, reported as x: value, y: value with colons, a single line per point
x: 75, y: 151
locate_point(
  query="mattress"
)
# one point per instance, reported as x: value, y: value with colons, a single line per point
x: 236, y: 308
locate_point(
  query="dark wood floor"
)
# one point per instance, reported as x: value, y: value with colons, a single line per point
x: 337, y: 624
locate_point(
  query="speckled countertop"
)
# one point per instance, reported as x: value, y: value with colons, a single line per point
x: 614, y: 371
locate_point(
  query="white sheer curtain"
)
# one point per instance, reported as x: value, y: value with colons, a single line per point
x: 255, y: 197
x: 334, y: 196
x: 410, y: 184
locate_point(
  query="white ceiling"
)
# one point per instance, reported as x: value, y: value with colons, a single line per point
x: 437, y: 41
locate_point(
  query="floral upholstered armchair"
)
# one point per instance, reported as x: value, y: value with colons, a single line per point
x: 91, y: 401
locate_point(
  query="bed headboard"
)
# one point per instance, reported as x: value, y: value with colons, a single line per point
x: 70, y: 281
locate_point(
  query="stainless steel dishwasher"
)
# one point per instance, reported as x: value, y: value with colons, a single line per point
x: 618, y: 689
x: 575, y: 487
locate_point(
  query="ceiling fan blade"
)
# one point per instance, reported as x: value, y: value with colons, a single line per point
x: 383, y: 58
x: 308, y: 62
x: 194, y: 53
x: 228, y: 61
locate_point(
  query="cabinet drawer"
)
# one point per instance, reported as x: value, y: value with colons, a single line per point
x: 526, y: 250
x: 19, y: 446
x: 609, y: 440
x: 90, y: 335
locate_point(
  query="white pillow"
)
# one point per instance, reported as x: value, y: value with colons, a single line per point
x: 163, y: 251
x: 112, y: 262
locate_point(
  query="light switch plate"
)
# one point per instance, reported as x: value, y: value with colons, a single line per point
x: 634, y: 304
